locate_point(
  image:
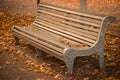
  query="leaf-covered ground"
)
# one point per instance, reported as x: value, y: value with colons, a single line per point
x: 85, y: 68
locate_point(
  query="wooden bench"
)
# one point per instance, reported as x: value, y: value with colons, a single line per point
x: 65, y: 33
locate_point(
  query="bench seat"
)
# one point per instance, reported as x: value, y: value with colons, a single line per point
x: 51, y: 41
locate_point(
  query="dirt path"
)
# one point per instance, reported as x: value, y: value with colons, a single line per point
x: 10, y: 69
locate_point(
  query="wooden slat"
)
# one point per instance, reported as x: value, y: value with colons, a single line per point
x: 92, y: 20
x: 74, y: 31
x: 70, y: 15
x: 54, y: 27
x: 53, y: 38
x: 71, y: 23
x: 40, y: 38
x: 76, y: 28
x: 96, y: 16
x: 61, y: 34
x: 39, y: 45
x: 71, y: 19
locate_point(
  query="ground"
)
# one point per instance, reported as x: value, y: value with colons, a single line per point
x: 16, y: 62
x: 12, y: 70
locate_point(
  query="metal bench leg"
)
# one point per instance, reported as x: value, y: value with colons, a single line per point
x: 69, y: 61
x: 39, y: 52
x: 16, y: 40
x: 101, y: 60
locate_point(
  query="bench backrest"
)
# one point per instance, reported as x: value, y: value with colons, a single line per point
x: 81, y: 27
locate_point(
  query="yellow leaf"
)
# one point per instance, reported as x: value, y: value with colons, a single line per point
x: 62, y: 66
x: 56, y: 76
x: 30, y: 69
x: 7, y: 62
x: 36, y: 66
x: 40, y: 79
x: 37, y: 71
x: 85, y: 78
x: 22, y: 69
x: 0, y: 67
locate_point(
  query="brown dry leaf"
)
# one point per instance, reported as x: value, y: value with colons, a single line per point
x: 28, y: 61
x: 14, y: 62
x: 0, y: 67
x: 37, y: 71
x: 36, y: 66
x: 111, y: 64
x: 18, y: 78
x: 62, y: 67
x: 40, y: 79
x: 86, y: 79
x: 1, y: 13
x: 17, y: 52
x: 7, y: 62
x: 64, y: 41
x: 21, y: 55
x: 32, y: 64
x: 48, y: 72
x: 94, y: 56
x: 22, y: 69
x: 110, y: 78
x: 15, y: 59
x: 30, y: 68
x: 85, y: 44
x: 95, y: 71
x: 56, y: 76
x: 48, y: 56
x: 61, y: 40
x: 41, y: 68
x: 77, y: 45
x: 48, y: 64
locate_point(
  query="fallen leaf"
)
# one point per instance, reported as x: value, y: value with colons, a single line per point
x: 22, y: 69
x: 7, y: 62
x: 14, y: 62
x: 86, y: 79
x: 95, y: 71
x: 40, y: 79
x: 37, y: 71
x: 56, y: 76
x: 30, y: 68
x: 0, y: 67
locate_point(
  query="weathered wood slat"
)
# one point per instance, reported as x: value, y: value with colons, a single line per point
x: 96, y: 16
x: 71, y: 19
x: 62, y: 34
x: 53, y: 27
x: 70, y: 23
x: 74, y: 28
x: 40, y: 37
x: 73, y: 16
x: 39, y: 45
